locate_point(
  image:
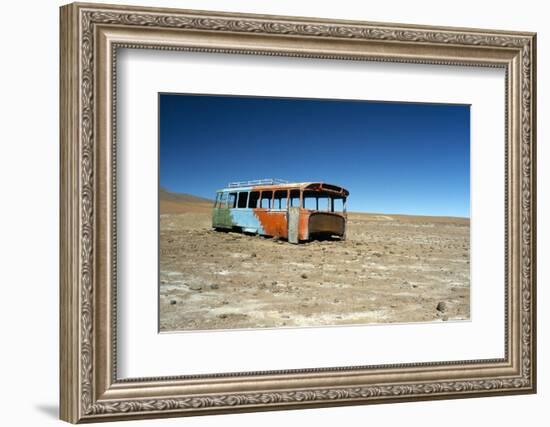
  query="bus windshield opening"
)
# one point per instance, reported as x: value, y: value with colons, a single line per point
x: 324, y: 202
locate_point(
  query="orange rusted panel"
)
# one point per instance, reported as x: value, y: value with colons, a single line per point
x: 273, y: 223
x: 303, y: 232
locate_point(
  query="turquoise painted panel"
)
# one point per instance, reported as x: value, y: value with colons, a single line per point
x: 247, y: 219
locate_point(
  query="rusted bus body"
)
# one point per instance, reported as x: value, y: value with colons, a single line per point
x: 293, y: 211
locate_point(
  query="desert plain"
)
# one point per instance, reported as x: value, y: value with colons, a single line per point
x: 390, y: 269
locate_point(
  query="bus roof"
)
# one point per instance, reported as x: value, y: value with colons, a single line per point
x: 313, y: 186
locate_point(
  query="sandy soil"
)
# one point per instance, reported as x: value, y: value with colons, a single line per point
x: 392, y: 268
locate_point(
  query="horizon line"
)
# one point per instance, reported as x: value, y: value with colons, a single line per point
x: 349, y: 211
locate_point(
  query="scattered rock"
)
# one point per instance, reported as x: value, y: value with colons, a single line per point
x: 347, y: 278
x: 441, y: 306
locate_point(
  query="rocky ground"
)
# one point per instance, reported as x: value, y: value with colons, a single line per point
x: 390, y: 269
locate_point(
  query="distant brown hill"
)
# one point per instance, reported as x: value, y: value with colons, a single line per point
x: 173, y: 203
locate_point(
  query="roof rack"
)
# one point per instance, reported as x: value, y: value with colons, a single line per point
x: 269, y: 181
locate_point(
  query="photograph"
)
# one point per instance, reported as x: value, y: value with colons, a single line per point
x: 299, y: 212
x: 277, y: 209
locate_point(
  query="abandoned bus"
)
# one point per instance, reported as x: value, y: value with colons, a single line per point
x: 293, y: 211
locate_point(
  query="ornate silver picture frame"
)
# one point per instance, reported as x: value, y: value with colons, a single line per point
x: 91, y: 34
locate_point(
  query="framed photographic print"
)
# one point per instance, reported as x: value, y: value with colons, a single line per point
x: 349, y: 265
x: 265, y: 212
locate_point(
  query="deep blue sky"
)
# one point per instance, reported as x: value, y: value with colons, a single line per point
x: 406, y: 158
